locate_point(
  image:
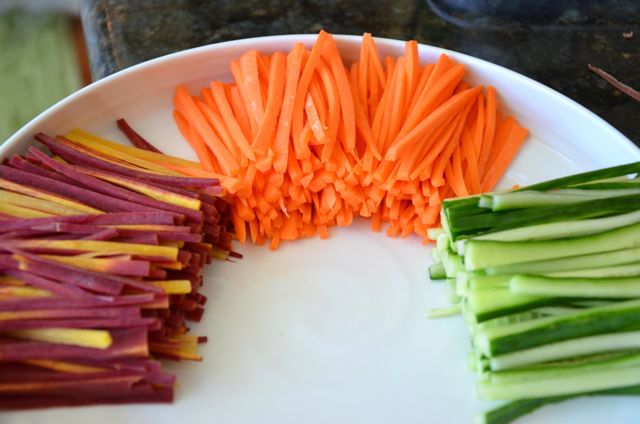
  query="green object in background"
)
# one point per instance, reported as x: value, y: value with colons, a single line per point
x: 38, y: 65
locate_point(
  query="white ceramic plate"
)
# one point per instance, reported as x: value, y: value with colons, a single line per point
x: 329, y: 331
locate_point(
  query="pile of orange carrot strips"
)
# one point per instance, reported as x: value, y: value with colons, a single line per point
x: 302, y: 142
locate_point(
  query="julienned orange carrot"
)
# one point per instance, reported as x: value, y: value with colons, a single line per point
x: 185, y: 105
x: 302, y: 142
x: 283, y: 133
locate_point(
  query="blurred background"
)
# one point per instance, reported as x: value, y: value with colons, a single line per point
x: 42, y: 58
x: 50, y: 48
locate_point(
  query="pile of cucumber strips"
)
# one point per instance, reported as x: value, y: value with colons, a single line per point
x: 547, y: 278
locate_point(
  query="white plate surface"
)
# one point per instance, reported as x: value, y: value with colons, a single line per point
x: 328, y: 331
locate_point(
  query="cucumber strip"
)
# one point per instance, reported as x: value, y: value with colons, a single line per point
x: 512, y: 319
x: 563, y: 229
x: 433, y: 233
x: 510, y: 411
x: 620, y: 316
x: 609, y: 185
x: 597, y: 260
x: 556, y: 310
x: 600, y: 174
x: 435, y: 255
x: 486, y: 201
x: 504, y: 220
x: 462, y: 283
x: 481, y: 254
x: 628, y: 270
x: 452, y: 263
x: 436, y: 272
x: 483, y: 282
x: 442, y: 243
x: 566, y: 349
x: 573, y: 384
x: 450, y: 294
x: 487, y: 304
x: 575, y: 287
x: 528, y: 199
x: 444, y: 312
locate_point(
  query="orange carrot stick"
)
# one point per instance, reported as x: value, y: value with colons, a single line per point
x: 190, y: 111
x: 331, y: 54
x: 274, y: 101
x: 217, y: 90
x: 198, y: 145
x: 283, y: 133
x: 452, y: 106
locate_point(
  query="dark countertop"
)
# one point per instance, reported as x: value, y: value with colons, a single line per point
x: 550, y: 41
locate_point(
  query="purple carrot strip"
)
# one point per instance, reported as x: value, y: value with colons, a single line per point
x: 63, y: 236
x: 112, y: 189
x: 77, y: 156
x: 89, y: 197
x: 144, y: 368
x: 212, y: 230
x: 140, y: 239
x: 629, y: 91
x: 109, y: 312
x: 103, y: 235
x: 86, y: 302
x: 16, y: 224
x: 65, y: 227
x: 132, y: 395
x: 179, y: 236
x: 209, y: 210
x: 88, y: 386
x: 135, y: 138
x: 26, y: 166
x: 184, y: 257
x: 157, y: 274
x: 7, y: 262
x: 26, y: 234
x: 155, y: 217
x: 47, y: 284
x: 124, y: 322
x: 97, y: 282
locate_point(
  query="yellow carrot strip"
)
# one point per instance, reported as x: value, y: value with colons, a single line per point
x: 54, y: 198
x: 28, y: 292
x: 93, y: 264
x: 100, y: 246
x: 21, y: 212
x: 159, y: 158
x: 174, y: 265
x: 153, y: 192
x: 37, y: 204
x: 77, y: 138
x: 64, y: 366
x: 9, y: 280
x: 174, y: 286
x: 96, y: 339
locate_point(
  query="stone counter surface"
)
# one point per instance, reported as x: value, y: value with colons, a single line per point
x: 550, y: 41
